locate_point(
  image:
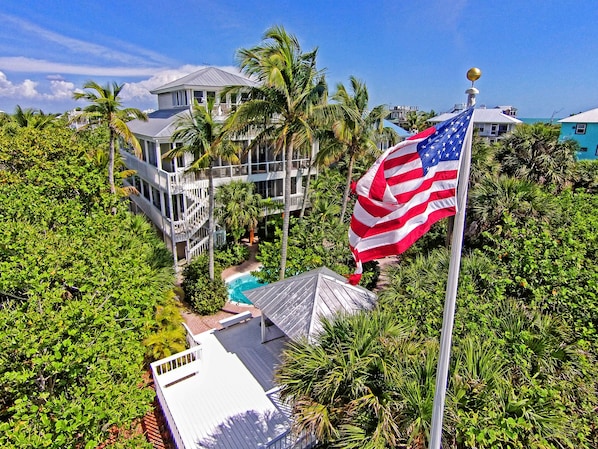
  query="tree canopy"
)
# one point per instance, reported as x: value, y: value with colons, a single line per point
x: 79, y: 290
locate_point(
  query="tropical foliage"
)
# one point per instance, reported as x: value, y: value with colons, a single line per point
x: 533, y: 152
x: 356, y: 127
x: 105, y: 109
x: 317, y: 239
x: 79, y: 290
x: 206, y: 296
x: 523, y: 371
x: 206, y: 139
x: 283, y: 107
x: 239, y: 208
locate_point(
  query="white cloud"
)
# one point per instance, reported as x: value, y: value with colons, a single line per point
x: 133, y: 55
x: 30, y: 65
x: 141, y: 90
x: 28, y: 89
x: 60, y: 90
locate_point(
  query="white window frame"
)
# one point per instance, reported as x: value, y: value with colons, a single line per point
x: 580, y: 128
x: 180, y: 98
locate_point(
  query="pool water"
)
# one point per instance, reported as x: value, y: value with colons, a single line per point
x: 237, y: 286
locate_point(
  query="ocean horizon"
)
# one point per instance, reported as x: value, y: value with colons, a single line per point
x: 532, y: 120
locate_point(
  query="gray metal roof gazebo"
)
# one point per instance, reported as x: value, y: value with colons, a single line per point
x: 297, y: 304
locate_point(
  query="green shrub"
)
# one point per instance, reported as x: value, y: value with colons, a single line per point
x: 206, y: 297
x: 585, y: 176
x: 232, y: 254
x: 168, y: 335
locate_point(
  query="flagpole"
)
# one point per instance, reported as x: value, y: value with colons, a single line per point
x: 453, y: 277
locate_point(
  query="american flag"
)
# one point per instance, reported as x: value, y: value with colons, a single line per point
x: 408, y: 189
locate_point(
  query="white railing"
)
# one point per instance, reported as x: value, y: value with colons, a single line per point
x: 288, y: 440
x: 169, y: 370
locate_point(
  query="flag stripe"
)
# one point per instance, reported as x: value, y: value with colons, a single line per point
x: 408, y: 189
x: 439, y: 200
x: 399, y: 246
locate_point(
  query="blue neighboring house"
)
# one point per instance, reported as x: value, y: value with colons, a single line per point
x: 583, y: 128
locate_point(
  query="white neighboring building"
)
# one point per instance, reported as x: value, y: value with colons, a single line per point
x: 490, y: 123
x: 176, y: 201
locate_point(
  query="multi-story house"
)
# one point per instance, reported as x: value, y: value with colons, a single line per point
x: 176, y: 200
x: 583, y: 128
x: 490, y: 124
x: 398, y: 114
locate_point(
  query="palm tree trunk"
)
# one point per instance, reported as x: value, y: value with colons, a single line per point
x: 111, y: 163
x: 306, y: 192
x: 287, y: 208
x: 211, y: 194
x: 347, y: 187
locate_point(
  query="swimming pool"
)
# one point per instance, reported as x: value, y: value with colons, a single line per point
x: 237, y: 286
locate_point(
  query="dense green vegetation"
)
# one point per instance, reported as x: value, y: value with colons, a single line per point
x: 206, y: 296
x: 80, y: 289
x: 86, y: 296
x: 523, y: 370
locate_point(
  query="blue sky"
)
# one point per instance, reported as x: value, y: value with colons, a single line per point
x: 539, y: 56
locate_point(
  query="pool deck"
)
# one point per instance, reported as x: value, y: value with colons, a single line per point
x: 199, y: 324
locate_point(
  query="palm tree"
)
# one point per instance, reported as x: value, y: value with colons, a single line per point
x: 283, y: 106
x: 368, y: 382
x: 533, y: 152
x: 206, y: 139
x: 239, y: 208
x: 105, y: 109
x: 27, y: 118
x: 356, y: 128
x: 493, y: 199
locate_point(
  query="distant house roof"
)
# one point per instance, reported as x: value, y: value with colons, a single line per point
x: 481, y: 116
x: 297, y: 304
x: 161, y: 123
x: 590, y: 116
x: 207, y: 77
x: 402, y: 132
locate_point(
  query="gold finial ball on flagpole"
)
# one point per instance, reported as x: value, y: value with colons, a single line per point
x: 474, y: 74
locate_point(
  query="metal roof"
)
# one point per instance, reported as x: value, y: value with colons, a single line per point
x: 161, y: 123
x: 297, y: 304
x: 481, y: 116
x: 402, y: 132
x: 590, y: 116
x: 206, y: 77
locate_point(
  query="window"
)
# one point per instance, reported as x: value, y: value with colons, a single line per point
x: 166, y: 205
x: 580, y: 128
x: 198, y: 96
x: 151, y: 153
x: 179, y: 98
x: 146, y: 189
x: 211, y: 95
x: 583, y: 150
x: 156, y: 198
x: 596, y: 153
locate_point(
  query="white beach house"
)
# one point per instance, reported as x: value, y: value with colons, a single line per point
x: 176, y: 201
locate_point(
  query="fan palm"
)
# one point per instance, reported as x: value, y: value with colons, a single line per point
x: 494, y: 198
x: 105, y: 108
x: 534, y: 153
x: 349, y: 388
x: 206, y: 140
x: 282, y: 107
x: 239, y: 208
